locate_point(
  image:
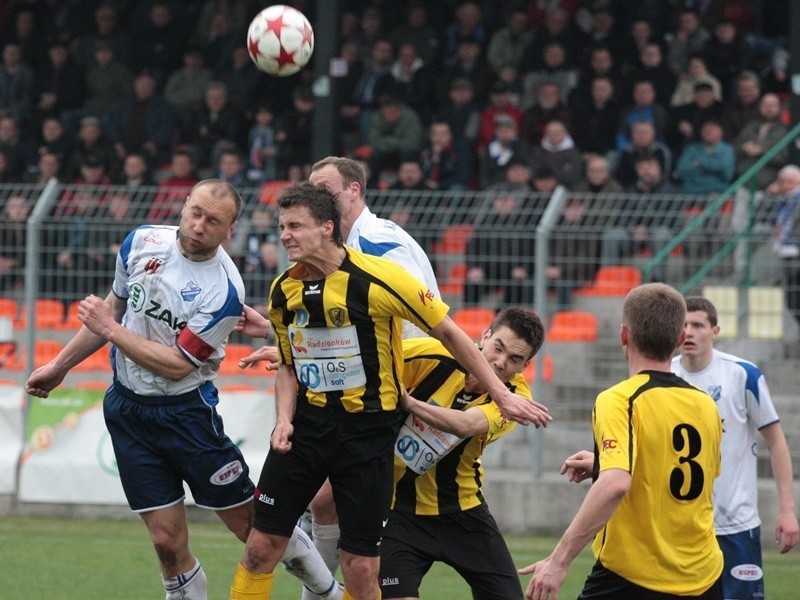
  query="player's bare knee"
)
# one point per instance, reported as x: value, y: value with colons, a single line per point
x: 263, y: 551
x: 360, y: 575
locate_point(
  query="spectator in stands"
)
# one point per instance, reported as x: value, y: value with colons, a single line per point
x: 645, y: 108
x: 518, y: 178
x: 727, y: 54
x: 257, y: 228
x: 501, y: 151
x: 107, y: 33
x: 646, y: 220
x: 27, y: 34
x: 93, y: 173
x: 186, y: 87
x: 688, y: 38
x: 604, y: 30
x: 596, y: 128
x: 138, y: 178
x: 258, y: 280
x: 508, y: 43
x: 59, y: 84
x: 786, y: 233
x: 263, y: 146
x: 108, y: 82
x: 51, y: 138
x: 499, y: 254
x: 548, y: 107
x: 119, y: 216
x: 231, y: 168
x: 643, y: 143
x: 639, y: 33
x: 16, y: 84
x: 468, y: 25
x: 707, y: 166
x: 696, y: 73
x: 415, y: 82
x: 554, y: 69
x: 686, y: 120
x: 744, y: 106
x: 220, y: 126
x: 600, y: 65
x: 243, y: 80
x: 6, y: 175
x: 219, y: 38
x: 557, y: 28
x: 445, y: 165
x: 499, y: 104
x: 558, y: 152
x: 144, y: 123
x: 172, y: 192
x: 597, y: 179
x: 758, y: 136
x: 395, y: 135
x: 158, y: 43
x: 418, y: 31
x: 470, y: 65
x: 11, y: 145
x: 47, y: 167
x: 91, y: 141
x: 654, y: 69
x: 463, y: 115
x: 295, y: 128
x: 13, y: 236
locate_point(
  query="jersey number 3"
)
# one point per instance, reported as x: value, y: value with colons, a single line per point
x: 686, y: 440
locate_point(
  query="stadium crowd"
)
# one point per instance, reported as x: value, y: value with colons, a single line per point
x: 452, y: 95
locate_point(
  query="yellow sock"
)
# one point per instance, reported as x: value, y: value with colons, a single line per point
x: 250, y: 585
x: 347, y: 596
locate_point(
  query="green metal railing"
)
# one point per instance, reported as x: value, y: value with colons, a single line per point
x: 747, y: 178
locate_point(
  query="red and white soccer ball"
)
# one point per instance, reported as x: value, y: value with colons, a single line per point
x: 280, y: 40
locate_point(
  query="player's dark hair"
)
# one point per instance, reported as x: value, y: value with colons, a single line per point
x: 525, y: 324
x: 655, y: 314
x: 322, y: 205
x: 698, y: 303
x: 350, y: 170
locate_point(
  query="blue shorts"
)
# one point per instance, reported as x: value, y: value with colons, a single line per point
x: 161, y: 442
x: 743, y: 575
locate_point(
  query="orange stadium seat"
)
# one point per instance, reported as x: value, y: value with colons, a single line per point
x: 454, y: 240
x: 44, y: 351
x: 97, y: 361
x: 474, y: 321
x: 71, y: 320
x: 530, y: 371
x: 9, y: 308
x: 573, y: 326
x: 613, y: 281
x: 49, y: 314
x: 92, y: 384
x: 456, y: 276
x: 268, y: 194
x: 234, y: 352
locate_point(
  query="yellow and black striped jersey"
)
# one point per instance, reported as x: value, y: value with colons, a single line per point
x: 666, y: 434
x: 451, y: 474
x: 342, y: 333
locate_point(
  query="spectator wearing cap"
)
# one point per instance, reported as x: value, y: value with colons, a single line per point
x: 503, y: 149
x: 696, y: 73
x: 706, y: 166
x: 470, y: 65
x: 548, y: 107
x: 686, y: 120
x: 499, y: 104
x: 395, y: 135
x: 558, y: 151
x: 91, y: 140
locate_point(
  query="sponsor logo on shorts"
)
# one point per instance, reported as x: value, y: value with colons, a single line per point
x: 265, y: 499
x: 747, y: 572
x: 390, y: 581
x: 227, y: 474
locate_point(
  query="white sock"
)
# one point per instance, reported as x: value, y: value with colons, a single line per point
x: 326, y: 540
x: 189, y: 586
x: 304, y: 522
x: 303, y: 561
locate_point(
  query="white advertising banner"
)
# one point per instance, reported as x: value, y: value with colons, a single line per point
x: 11, y: 411
x: 68, y: 456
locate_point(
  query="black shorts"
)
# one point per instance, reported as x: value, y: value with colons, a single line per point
x: 356, y: 451
x: 602, y: 584
x: 469, y: 541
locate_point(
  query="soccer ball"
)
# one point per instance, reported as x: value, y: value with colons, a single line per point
x: 280, y: 40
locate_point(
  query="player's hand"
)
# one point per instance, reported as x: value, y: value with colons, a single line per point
x: 96, y: 314
x: 546, y: 581
x: 578, y: 466
x: 265, y: 353
x: 252, y: 323
x: 787, y: 532
x: 279, y: 440
x: 43, y: 380
x: 518, y: 408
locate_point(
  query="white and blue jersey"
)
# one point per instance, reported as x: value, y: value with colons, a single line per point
x: 380, y: 237
x: 193, y: 306
x: 740, y: 391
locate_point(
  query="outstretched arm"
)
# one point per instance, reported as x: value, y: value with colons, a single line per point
x: 786, y: 527
x: 463, y: 423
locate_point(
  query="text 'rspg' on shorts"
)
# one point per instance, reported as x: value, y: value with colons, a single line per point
x: 160, y: 442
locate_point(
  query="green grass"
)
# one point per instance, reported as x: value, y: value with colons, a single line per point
x: 52, y: 559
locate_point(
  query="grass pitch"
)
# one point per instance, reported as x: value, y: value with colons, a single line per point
x: 55, y: 559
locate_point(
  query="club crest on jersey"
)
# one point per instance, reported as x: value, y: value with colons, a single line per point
x: 426, y: 296
x: 190, y: 292
x: 715, y: 391
x: 337, y: 315
x: 153, y: 265
x: 301, y: 317
x: 296, y: 340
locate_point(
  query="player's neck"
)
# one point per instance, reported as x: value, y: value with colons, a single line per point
x: 695, y: 364
x: 321, y: 265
